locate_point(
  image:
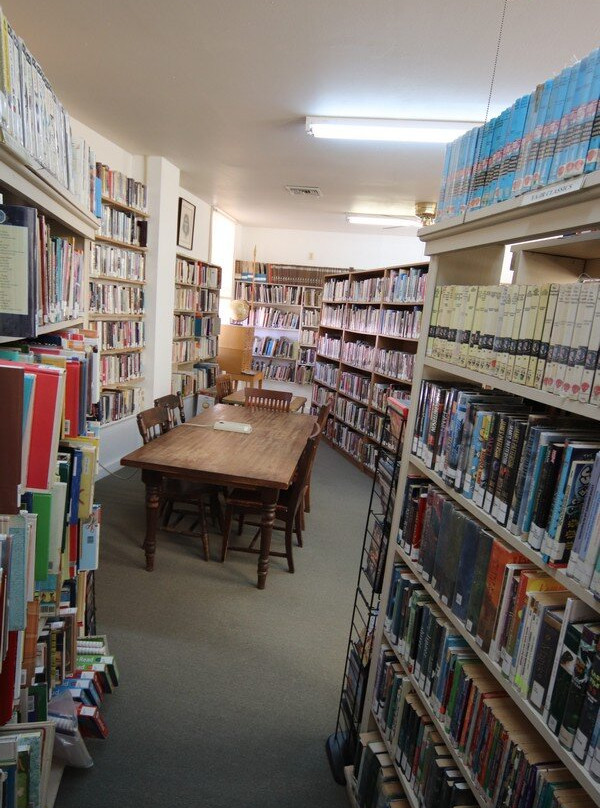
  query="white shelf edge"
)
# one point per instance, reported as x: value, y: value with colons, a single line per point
x: 582, y: 776
x: 532, y: 393
x: 514, y: 541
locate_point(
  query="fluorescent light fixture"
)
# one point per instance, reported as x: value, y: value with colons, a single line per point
x: 382, y: 221
x: 388, y: 129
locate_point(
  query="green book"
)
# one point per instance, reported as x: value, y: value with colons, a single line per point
x: 42, y: 505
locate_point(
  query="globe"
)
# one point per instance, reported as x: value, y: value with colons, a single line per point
x: 239, y: 310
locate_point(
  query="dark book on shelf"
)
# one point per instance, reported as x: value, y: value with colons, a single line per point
x: 466, y: 568
x: 19, y: 275
x: 484, y: 549
x: 544, y: 656
x: 439, y: 509
x: 588, y: 646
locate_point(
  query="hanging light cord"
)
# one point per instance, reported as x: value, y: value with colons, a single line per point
x: 489, y: 101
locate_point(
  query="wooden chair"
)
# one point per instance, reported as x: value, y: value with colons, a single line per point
x: 275, y: 400
x: 152, y: 423
x: 288, y: 509
x: 321, y: 422
x: 173, y: 403
x: 225, y: 387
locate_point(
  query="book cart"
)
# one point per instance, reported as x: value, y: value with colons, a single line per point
x: 341, y: 745
x: 553, y: 240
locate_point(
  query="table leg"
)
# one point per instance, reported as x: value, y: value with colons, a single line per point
x: 269, y: 501
x: 152, y: 481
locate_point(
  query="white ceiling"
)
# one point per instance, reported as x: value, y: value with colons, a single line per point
x: 222, y: 88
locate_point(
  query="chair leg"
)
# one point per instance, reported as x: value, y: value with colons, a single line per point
x: 298, y: 524
x: 226, y: 532
x: 289, y: 532
x: 307, y: 498
x: 203, y: 531
x: 241, y: 517
x: 216, y: 510
x: 167, y: 510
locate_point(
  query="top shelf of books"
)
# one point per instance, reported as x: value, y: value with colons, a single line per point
x: 559, y: 208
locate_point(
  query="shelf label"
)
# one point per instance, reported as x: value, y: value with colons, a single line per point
x: 557, y: 189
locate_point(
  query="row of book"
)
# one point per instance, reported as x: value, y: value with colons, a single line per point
x: 122, y: 226
x: 307, y: 356
x: 201, y: 300
x: 522, y: 618
x: 398, y: 286
x: 120, y: 334
x: 109, y: 298
x: 531, y: 471
x: 267, y: 293
x: 329, y: 346
x: 506, y: 762
x: 359, y: 417
x: 258, y: 272
x: 197, y: 273
x: 543, y: 336
x: 304, y: 374
x: 310, y: 318
x: 60, y: 267
x: 262, y: 317
x: 327, y: 373
x: 281, y: 372
x: 308, y: 337
x: 118, y: 368
x: 279, y: 347
x: 118, y: 187
x: 376, y: 784
x: 183, y: 325
x: 120, y: 402
x: 33, y: 119
x: 346, y: 438
x: 398, y: 364
x: 332, y: 315
x: 547, y: 136
x: 207, y: 325
x: 198, y: 349
x: 118, y: 262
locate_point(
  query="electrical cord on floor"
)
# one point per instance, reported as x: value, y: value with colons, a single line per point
x: 116, y: 474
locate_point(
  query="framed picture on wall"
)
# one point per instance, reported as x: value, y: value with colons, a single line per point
x: 185, y: 224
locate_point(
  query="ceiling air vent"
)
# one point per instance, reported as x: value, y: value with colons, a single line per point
x: 301, y: 190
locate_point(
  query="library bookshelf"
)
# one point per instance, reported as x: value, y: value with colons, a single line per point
x: 196, y: 323
x: 68, y: 231
x: 367, y: 340
x: 285, y: 301
x: 116, y: 303
x: 465, y: 251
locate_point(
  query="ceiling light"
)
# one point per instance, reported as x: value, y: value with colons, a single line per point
x: 389, y: 129
x: 382, y: 221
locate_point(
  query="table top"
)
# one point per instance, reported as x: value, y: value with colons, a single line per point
x: 238, y: 397
x: 266, y: 457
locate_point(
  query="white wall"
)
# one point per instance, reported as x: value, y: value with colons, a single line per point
x: 330, y: 249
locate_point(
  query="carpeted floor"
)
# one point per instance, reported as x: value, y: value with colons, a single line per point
x: 227, y: 694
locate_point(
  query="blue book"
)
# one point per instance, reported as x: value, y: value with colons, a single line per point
x: 489, y: 173
x: 17, y: 574
x: 466, y: 570
x: 589, y: 115
x: 76, y: 466
x: 481, y: 163
x: 476, y: 448
x: 535, y: 99
x: 577, y: 150
x: 541, y: 438
x: 576, y: 96
x: 511, y: 136
x: 98, y: 197
x: 536, y: 139
x: 593, y: 150
x: 90, y: 541
x: 494, y: 190
x: 444, y: 185
x: 474, y: 145
x: 552, y: 121
x: 453, y: 208
x: 562, y: 144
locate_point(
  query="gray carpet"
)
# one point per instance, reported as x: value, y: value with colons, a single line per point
x: 227, y: 694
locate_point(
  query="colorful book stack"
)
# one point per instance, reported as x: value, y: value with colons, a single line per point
x: 550, y: 135
x: 533, y: 632
x: 49, y: 545
x: 542, y: 336
x: 533, y: 473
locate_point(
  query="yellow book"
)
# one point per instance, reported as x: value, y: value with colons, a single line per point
x: 433, y: 321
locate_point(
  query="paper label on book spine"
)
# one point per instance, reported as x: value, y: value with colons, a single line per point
x: 13, y: 269
x: 537, y: 695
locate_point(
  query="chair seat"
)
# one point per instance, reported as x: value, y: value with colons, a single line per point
x: 250, y: 498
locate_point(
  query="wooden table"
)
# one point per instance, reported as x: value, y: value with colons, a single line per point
x: 296, y: 404
x: 254, y: 378
x: 264, y: 459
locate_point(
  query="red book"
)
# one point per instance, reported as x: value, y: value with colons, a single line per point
x: 7, y: 679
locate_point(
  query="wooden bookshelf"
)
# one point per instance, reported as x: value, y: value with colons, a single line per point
x: 274, y: 290
x: 470, y: 250
x: 197, y: 292
x: 117, y: 292
x: 354, y: 311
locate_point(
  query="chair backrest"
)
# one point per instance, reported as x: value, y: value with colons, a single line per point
x: 275, y: 400
x: 173, y: 403
x: 324, y: 412
x: 224, y: 385
x: 153, y: 422
x: 303, y: 469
